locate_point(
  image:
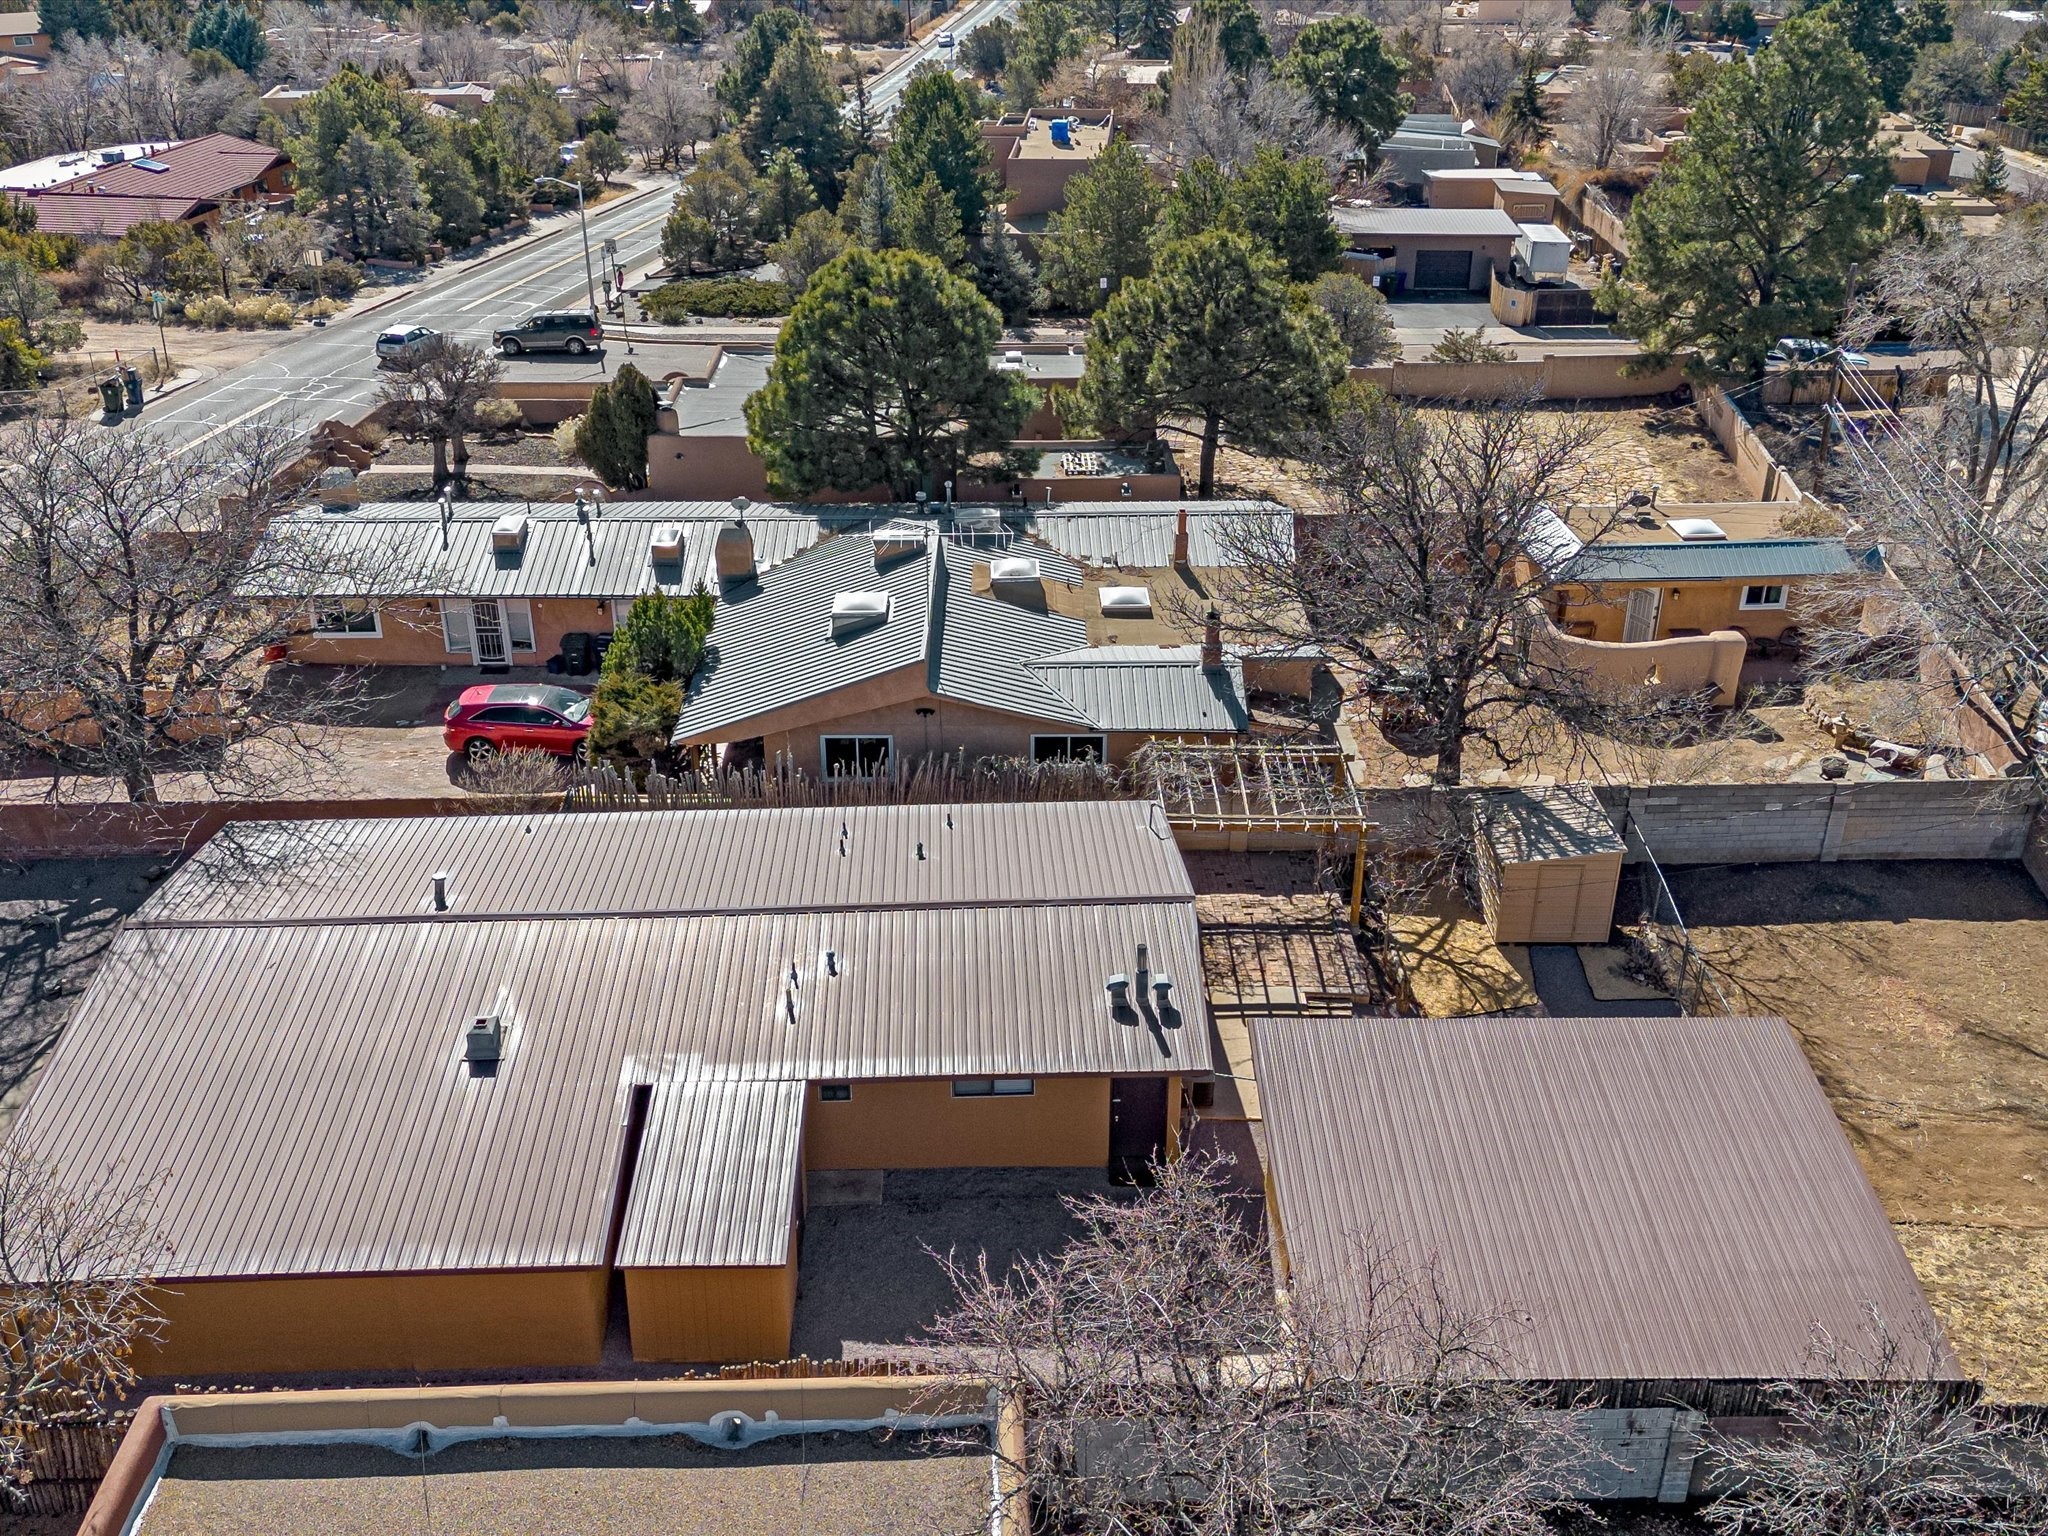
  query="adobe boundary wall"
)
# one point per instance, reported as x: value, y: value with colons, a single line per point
x: 1578, y: 375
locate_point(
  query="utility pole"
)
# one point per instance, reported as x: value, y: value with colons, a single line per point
x: 589, y: 276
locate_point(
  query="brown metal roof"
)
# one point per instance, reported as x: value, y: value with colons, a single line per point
x: 682, y: 862
x: 1666, y: 1199
x: 300, y: 1084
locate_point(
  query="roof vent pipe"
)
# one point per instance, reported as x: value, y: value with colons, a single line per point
x: 1162, y: 989
x: 447, y: 515
x: 1119, y: 989
x: 441, y: 890
x: 1144, y: 958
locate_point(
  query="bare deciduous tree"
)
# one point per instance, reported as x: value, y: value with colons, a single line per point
x: 1610, y: 103
x: 671, y: 112
x: 462, y: 52
x: 1876, y: 1443
x: 1480, y: 75
x: 139, y: 588
x: 1165, y: 1388
x: 1423, y: 575
x: 436, y: 391
x: 76, y: 1261
x: 1227, y: 118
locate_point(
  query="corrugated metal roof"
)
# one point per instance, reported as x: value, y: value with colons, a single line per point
x: 1118, y: 533
x: 1561, y: 821
x: 609, y: 863
x: 982, y: 645
x: 299, y: 1082
x: 1148, y: 688
x: 401, y: 545
x: 1707, y: 560
x: 1393, y: 223
x: 716, y: 1181
x: 1665, y: 1199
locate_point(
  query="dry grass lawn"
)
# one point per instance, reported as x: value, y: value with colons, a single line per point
x: 1917, y: 990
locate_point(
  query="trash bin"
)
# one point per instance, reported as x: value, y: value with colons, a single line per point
x: 133, y: 380
x: 579, y: 654
x: 110, y: 395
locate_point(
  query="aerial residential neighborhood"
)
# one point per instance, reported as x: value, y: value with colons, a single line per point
x: 1057, y: 768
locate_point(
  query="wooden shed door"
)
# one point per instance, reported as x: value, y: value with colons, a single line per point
x: 1137, y: 1127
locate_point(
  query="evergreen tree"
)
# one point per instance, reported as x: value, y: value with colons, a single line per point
x: 231, y: 32
x: 1990, y: 180
x: 1748, y: 232
x: 1045, y: 35
x: 753, y: 56
x: 882, y: 378
x: 75, y: 18
x: 1344, y: 65
x: 784, y: 195
x: 663, y: 635
x: 1525, y: 114
x: 814, y: 242
x: 2027, y: 105
x: 875, y: 215
x: 1285, y: 205
x: 1887, y: 39
x: 1003, y: 274
x: 1239, y: 37
x: 1213, y: 335
x: 937, y: 133
x: 612, y: 436
x: 800, y: 109
x: 602, y: 155
x: 1198, y: 203
x: 1105, y: 231
x: 927, y: 222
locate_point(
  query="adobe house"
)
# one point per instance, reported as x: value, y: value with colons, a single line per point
x: 876, y: 649
x: 1523, y: 196
x: 1429, y: 249
x: 1036, y: 153
x: 419, y: 1090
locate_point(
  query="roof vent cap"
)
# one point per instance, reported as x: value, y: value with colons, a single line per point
x: 856, y: 611
x: 897, y: 540
x: 483, y: 1043
x: 665, y: 545
x: 1127, y: 602
x: 509, y: 532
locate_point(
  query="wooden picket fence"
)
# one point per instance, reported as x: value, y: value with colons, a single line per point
x: 955, y: 779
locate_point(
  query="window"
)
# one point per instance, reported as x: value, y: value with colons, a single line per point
x: 337, y: 617
x: 835, y: 1093
x: 518, y: 622
x: 28, y: 41
x: 855, y: 757
x: 992, y: 1087
x: 455, y: 626
x: 500, y: 714
x: 1068, y: 749
x: 1772, y: 596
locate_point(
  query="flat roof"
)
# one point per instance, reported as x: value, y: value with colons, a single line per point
x: 840, y: 1482
x: 1669, y: 1200
x: 280, y: 1029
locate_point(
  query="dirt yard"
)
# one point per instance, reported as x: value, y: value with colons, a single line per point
x: 1916, y: 988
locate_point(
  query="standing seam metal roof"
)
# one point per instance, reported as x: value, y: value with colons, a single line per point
x: 1665, y: 1199
x: 1707, y: 560
x: 1148, y: 688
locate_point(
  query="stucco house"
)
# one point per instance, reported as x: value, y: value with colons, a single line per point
x: 1429, y: 249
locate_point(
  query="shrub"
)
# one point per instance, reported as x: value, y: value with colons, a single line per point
x: 498, y: 416
x: 744, y: 298
x: 212, y: 310
x: 530, y: 781
x: 19, y: 361
x: 324, y: 309
x: 1469, y: 347
x: 279, y: 313
x: 250, y: 313
x: 631, y: 713
x: 612, y: 438
x: 565, y: 437
x: 663, y: 637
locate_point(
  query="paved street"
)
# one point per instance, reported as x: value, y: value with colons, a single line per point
x: 333, y: 371
x: 886, y: 89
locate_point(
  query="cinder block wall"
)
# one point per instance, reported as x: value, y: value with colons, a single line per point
x: 1797, y: 823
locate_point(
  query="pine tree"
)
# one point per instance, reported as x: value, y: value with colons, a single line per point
x: 612, y: 437
x: 875, y: 218
x: 928, y: 222
x: 1002, y: 272
x: 1990, y: 180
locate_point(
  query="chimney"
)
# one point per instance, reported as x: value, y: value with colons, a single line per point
x: 733, y: 554
x: 441, y: 878
x: 1212, y: 642
x: 1180, y: 538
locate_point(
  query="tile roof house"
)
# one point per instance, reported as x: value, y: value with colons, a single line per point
x: 418, y: 1089
x: 885, y: 646
x: 188, y: 182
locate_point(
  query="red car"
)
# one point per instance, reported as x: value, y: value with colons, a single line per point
x: 500, y: 717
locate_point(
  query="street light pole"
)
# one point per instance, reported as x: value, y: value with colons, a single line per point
x: 589, y: 280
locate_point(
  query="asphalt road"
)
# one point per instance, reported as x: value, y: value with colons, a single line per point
x: 332, y: 371
x: 2019, y: 175
x: 886, y: 89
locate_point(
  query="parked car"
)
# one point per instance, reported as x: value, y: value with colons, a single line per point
x: 402, y: 341
x: 501, y: 717
x: 574, y: 331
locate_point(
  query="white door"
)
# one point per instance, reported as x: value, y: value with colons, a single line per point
x: 489, y: 631
x: 1640, y: 622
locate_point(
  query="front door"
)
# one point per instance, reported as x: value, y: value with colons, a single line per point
x: 1639, y: 623
x: 489, y: 629
x: 1137, y: 1127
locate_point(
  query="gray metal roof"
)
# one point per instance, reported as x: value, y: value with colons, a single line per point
x: 1397, y: 223
x: 1121, y: 533
x: 1707, y: 560
x: 716, y: 1183
x: 1664, y: 1199
x: 1148, y: 688
x: 982, y: 646
x: 1562, y: 821
x: 717, y: 407
x: 680, y: 863
x: 402, y: 543
x: 293, y: 1064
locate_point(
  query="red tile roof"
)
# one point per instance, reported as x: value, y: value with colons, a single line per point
x: 208, y: 169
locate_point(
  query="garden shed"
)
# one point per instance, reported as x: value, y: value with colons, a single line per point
x: 1549, y: 864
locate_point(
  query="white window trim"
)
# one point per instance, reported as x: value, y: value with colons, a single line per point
x: 523, y: 608
x: 825, y: 750
x: 452, y: 608
x: 374, y: 632
x: 1101, y: 741
x: 1762, y: 586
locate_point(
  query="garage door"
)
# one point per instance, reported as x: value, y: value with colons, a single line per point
x: 1443, y: 269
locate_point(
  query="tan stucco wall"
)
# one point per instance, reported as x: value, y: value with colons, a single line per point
x: 428, y: 1322
x: 713, y: 1316
x: 1691, y: 664
x: 1516, y: 201
x: 412, y: 635
x: 1702, y: 605
x: 704, y: 467
x: 1063, y: 1123
x: 1489, y: 250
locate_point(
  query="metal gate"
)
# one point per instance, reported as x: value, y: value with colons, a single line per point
x: 489, y: 631
x: 1442, y: 269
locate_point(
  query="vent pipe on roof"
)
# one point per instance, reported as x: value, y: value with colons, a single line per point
x: 447, y: 515
x: 483, y: 1045
x: 441, y: 878
x: 1119, y: 989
